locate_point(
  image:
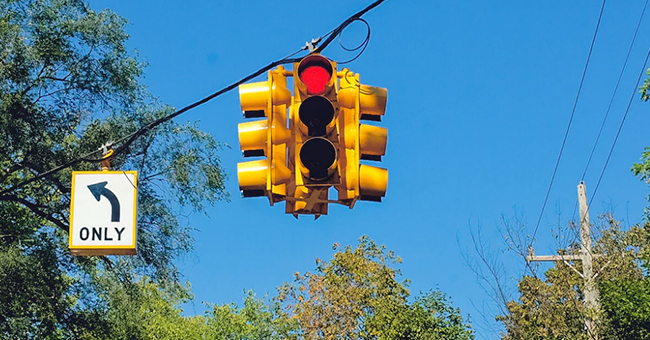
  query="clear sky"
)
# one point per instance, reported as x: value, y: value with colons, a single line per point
x: 479, y: 97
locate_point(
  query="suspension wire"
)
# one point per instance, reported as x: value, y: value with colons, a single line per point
x: 129, y: 139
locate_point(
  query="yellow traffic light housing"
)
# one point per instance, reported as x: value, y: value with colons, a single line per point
x: 314, y: 118
x: 314, y: 123
x: 265, y: 138
x: 361, y: 141
x: 324, y: 144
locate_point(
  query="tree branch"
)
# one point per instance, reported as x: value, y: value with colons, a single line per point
x: 52, y: 93
x: 15, y: 167
x: 36, y: 210
x: 57, y: 183
x: 58, y: 79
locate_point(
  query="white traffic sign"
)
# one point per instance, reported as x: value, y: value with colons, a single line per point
x: 103, y: 213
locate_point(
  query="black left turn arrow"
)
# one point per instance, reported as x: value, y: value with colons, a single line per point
x: 98, y: 190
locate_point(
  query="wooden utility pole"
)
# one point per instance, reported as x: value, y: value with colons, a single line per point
x: 591, y: 292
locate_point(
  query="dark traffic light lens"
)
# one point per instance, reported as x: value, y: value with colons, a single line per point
x: 315, y: 72
x: 318, y: 155
x: 316, y: 113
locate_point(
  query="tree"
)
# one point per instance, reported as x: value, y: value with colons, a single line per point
x: 139, y: 310
x: 626, y: 299
x: 67, y: 86
x: 430, y: 316
x: 357, y: 296
x: 144, y: 310
x: 257, y: 320
x: 552, y: 308
x: 626, y: 302
x: 547, y: 309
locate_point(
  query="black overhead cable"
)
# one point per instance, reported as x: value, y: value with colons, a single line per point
x: 620, y: 127
x: 611, y: 101
x: 129, y: 139
x: 620, y: 76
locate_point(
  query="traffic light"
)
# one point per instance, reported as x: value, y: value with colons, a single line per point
x: 361, y: 141
x: 324, y: 144
x: 265, y: 138
x: 314, y: 120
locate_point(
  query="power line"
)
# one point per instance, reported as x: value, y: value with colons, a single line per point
x: 611, y: 101
x: 620, y: 127
x: 620, y: 76
x: 129, y: 139
x: 566, y: 134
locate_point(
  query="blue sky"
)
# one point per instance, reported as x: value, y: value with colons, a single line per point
x: 479, y: 97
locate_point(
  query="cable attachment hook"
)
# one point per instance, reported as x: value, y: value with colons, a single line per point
x: 107, y: 152
x: 312, y: 46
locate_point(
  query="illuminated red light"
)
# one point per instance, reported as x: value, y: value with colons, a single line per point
x: 315, y: 72
x: 315, y: 78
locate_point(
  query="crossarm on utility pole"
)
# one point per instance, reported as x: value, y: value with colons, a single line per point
x: 552, y: 258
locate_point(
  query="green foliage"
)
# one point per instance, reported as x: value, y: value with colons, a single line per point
x: 67, y: 86
x: 257, y: 320
x: 146, y: 310
x: 645, y: 89
x: 32, y: 291
x: 625, y: 284
x: 548, y: 309
x: 642, y: 169
x: 356, y: 296
x: 626, y: 302
x: 430, y: 316
x: 137, y: 310
x: 152, y: 312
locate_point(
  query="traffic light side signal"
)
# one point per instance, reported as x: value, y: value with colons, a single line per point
x: 265, y: 138
x: 361, y: 141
